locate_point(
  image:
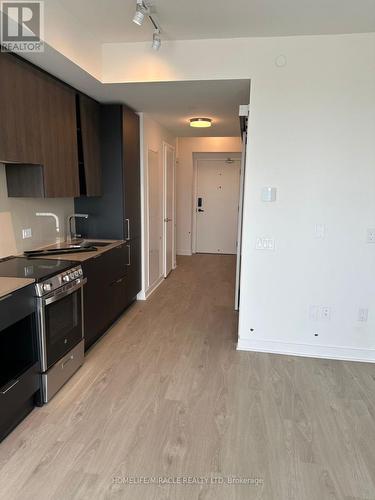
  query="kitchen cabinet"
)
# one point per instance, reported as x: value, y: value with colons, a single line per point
x: 105, y: 295
x: 20, y: 101
x: 131, y: 173
x: 117, y: 213
x: 49, y: 134
x: 88, y: 123
x: 19, y: 365
x: 59, y: 139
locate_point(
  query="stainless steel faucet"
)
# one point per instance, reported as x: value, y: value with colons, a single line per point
x: 50, y: 214
x: 71, y: 236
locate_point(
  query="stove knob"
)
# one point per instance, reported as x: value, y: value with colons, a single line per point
x: 80, y: 272
x: 47, y: 287
x: 76, y: 274
x: 71, y: 276
x: 66, y: 278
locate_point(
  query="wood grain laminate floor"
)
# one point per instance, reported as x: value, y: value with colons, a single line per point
x: 165, y: 394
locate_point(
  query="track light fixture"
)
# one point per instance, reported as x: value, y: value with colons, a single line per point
x: 140, y: 12
x: 156, y: 40
x: 143, y: 10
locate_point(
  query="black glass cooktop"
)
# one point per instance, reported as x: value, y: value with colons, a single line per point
x: 37, y: 269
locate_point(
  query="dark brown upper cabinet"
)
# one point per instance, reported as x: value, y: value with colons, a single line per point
x: 59, y: 139
x: 20, y: 105
x: 88, y: 133
x: 49, y: 134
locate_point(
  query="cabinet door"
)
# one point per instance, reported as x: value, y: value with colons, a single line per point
x: 131, y: 174
x: 96, y: 301
x: 20, y: 102
x: 133, y: 273
x: 59, y: 139
x: 90, y: 133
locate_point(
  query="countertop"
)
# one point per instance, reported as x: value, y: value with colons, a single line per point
x: 82, y: 256
x: 10, y: 285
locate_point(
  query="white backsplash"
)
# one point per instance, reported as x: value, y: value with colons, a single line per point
x: 22, y: 213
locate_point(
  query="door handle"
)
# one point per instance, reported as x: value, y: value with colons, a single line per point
x: 64, y: 363
x: 200, y: 210
x: 128, y: 229
x: 129, y: 256
x: 12, y: 384
x: 167, y: 220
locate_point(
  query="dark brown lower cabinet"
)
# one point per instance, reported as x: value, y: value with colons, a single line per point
x: 110, y: 289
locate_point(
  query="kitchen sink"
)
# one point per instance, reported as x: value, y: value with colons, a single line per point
x: 96, y: 243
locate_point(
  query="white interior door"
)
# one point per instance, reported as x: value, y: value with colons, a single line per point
x: 217, y: 205
x: 155, y: 215
x: 169, y: 163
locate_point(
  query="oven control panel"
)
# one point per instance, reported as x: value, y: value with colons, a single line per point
x: 56, y: 282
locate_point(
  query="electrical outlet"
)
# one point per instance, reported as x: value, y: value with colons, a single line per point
x: 363, y: 315
x: 320, y: 313
x: 26, y: 233
x: 370, y: 238
x: 265, y: 244
x: 325, y: 313
x: 320, y: 231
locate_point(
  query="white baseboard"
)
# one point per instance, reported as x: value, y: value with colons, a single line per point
x: 144, y: 294
x: 307, y: 350
x: 184, y: 252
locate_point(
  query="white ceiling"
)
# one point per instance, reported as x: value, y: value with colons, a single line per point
x: 172, y: 104
x: 111, y: 20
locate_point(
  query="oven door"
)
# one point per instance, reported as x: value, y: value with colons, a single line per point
x: 60, y: 323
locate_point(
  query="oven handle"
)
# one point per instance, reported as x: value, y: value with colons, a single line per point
x: 61, y: 295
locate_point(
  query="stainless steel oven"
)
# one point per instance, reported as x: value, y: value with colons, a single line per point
x: 60, y: 328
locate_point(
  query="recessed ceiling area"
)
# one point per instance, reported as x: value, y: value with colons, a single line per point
x: 111, y: 20
x: 173, y: 104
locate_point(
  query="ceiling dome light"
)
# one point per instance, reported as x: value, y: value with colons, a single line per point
x: 200, y: 122
x: 156, y: 40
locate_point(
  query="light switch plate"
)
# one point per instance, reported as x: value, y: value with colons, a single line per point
x: 268, y: 194
x: 26, y: 233
x: 265, y: 244
x: 370, y: 235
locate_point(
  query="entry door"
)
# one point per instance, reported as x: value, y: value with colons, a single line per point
x: 169, y: 161
x: 217, y: 205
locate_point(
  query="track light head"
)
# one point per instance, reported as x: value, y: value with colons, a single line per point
x: 156, y: 40
x: 139, y: 15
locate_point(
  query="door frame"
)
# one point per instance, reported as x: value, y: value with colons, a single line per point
x: 167, y: 146
x: 196, y: 158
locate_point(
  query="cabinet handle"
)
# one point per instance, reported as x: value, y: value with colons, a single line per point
x: 6, y: 297
x: 10, y: 387
x: 120, y: 280
x: 129, y: 256
x: 128, y: 227
x: 64, y: 363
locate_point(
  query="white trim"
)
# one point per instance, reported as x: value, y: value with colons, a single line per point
x: 145, y: 295
x: 167, y: 146
x: 144, y: 207
x: 184, y: 252
x: 307, y: 350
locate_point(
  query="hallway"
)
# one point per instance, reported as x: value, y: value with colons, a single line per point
x: 166, y: 394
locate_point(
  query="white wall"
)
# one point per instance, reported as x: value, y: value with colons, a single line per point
x: 186, y: 148
x: 311, y: 134
x: 152, y: 137
x: 21, y: 213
